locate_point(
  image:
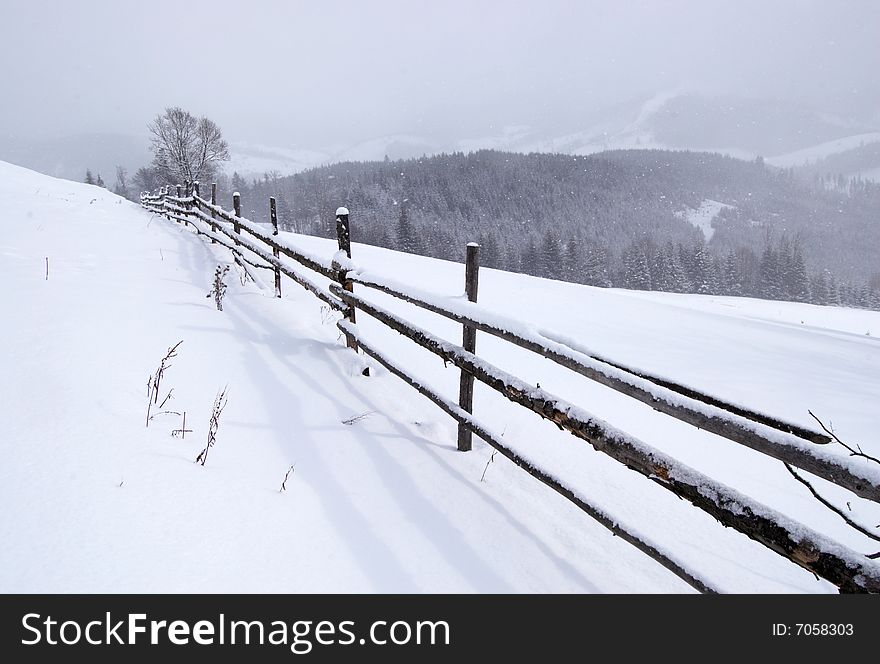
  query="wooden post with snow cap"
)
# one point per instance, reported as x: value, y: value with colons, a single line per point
x: 469, y: 343
x: 165, y: 193
x: 343, y: 234
x: 236, y: 205
x: 179, y: 194
x: 195, y: 192
x: 273, y: 215
x: 213, y: 214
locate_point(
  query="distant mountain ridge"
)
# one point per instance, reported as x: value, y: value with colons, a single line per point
x: 784, y: 134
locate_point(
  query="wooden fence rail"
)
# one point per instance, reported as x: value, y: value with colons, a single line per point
x: 697, y: 409
x: 798, y: 446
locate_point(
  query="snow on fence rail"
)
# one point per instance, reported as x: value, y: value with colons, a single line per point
x: 849, y: 570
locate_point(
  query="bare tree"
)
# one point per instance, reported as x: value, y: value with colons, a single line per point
x: 121, y: 187
x: 147, y: 178
x: 186, y: 148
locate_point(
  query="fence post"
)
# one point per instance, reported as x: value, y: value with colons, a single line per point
x: 178, y: 190
x: 343, y: 234
x: 273, y: 215
x: 195, y: 192
x: 469, y: 342
x: 236, y: 205
x: 213, y: 214
x: 165, y: 191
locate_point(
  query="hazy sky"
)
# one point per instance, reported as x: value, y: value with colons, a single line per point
x: 315, y: 73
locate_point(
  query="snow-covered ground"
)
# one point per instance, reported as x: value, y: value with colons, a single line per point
x: 94, y: 501
x: 703, y: 216
x: 815, y: 153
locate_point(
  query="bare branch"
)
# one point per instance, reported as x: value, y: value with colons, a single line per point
x: 165, y: 400
x: 491, y: 459
x: 155, y: 380
x: 284, y: 481
x: 213, y: 425
x: 852, y: 452
x: 357, y: 418
x: 827, y: 504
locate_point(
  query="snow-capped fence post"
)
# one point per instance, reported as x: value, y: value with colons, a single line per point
x: 192, y: 190
x: 469, y: 343
x: 273, y: 215
x: 343, y: 234
x: 165, y: 192
x: 236, y: 205
x: 179, y: 191
x: 343, y: 231
x: 213, y: 214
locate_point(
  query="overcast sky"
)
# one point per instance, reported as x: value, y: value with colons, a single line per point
x: 315, y: 73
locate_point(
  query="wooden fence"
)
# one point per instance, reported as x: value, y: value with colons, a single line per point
x: 254, y: 247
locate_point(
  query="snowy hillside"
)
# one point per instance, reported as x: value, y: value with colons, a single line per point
x: 815, y: 153
x: 703, y: 216
x: 97, y: 289
x: 250, y: 160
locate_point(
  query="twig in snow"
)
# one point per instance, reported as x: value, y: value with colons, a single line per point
x: 357, y: 418
x: 155, y: 378
x: 852, y: 452
x: 167, y: 397
x: 47, y: 268
x: 284, y: 481
x: 244, y: 273
x: 213, y: 425
x: 219, y: 288
x: 182, y: 430
x: 165, y: 412
x: 491, y: 459
x: 827, y: 504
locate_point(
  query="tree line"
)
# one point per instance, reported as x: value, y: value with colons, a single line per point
x: 612, y: 219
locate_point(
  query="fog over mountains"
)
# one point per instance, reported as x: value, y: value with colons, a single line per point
x: 785, y: 134
x: 731, y: 148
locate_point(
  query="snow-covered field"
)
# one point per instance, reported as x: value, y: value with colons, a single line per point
x: 94, y: 501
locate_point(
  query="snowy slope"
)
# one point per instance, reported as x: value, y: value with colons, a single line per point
x: 818, y: 152
x: 703, y: 216
x: 254, y: 160
x: 93, y: 501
